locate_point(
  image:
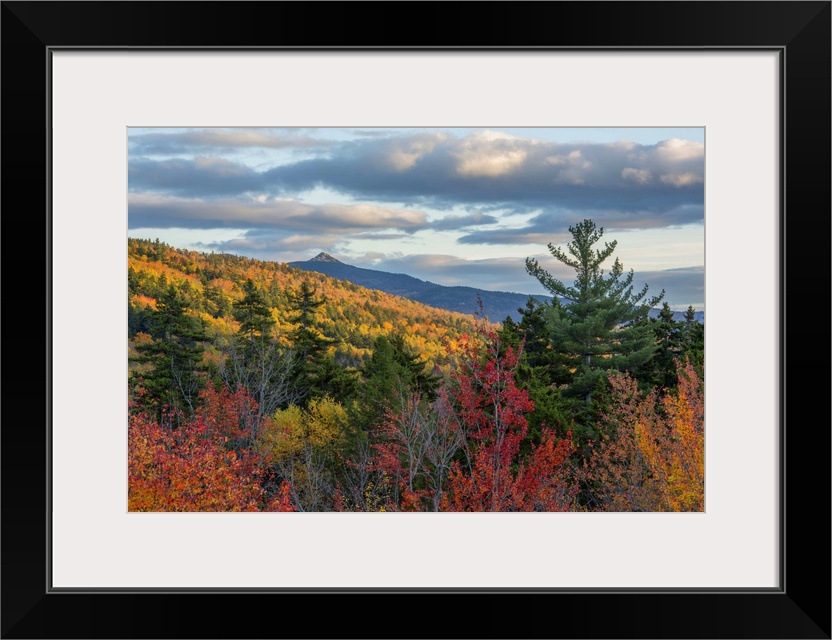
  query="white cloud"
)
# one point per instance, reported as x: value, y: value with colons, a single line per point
x: 403, y: 158
x: 490, y: 154
x: 676, y: 150
x: 639, y: 176
x: 681, y: 179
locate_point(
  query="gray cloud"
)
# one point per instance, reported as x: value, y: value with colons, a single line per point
x: 551, y: 226
x: 521, y: 174
x: 274, y: 245
x: 683, y: 287
x: 453, y: 222
x: 660, y: 185
x: 159, y: 211
x: 198, y: 177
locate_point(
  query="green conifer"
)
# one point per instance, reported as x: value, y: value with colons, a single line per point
x: 602, y: 323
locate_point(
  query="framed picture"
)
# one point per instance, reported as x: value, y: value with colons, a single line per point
x: 754, y: 76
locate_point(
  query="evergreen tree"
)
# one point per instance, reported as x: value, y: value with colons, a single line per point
x: 138, y: 319
x: 393, y: 372
x: 602, y: 323
x: 533, y: 332
x: 693, y: 342
x: 668, y: 334
x: 690, y: 315
x: 253, y: 313
x: 217, y: 297
x: 309, y: 343
x: 175, y: 355
x: 253, y: 358
x: 315, y: 372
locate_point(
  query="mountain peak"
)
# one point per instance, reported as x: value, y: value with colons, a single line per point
x: 324, y: 257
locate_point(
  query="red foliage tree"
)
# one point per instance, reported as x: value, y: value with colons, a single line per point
x: 198, y: 466
x: 491, y: 410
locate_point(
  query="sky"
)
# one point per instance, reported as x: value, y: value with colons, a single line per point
x: 451, y: 206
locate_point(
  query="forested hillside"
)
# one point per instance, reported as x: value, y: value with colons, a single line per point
x: 257, y: 386
x: 209, y: 285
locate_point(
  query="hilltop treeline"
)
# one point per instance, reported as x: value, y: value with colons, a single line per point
x: 257, y: 386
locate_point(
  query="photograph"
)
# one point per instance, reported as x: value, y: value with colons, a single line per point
x: 416, y: 319
x: 386, y: 265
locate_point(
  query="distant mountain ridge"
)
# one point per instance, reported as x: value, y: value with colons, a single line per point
x: 496, y: 305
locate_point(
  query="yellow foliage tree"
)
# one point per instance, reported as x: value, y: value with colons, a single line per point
x: 652, y: 456
x: 299, y: 443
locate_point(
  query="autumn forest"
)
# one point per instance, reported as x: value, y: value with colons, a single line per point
x: 256, y: 386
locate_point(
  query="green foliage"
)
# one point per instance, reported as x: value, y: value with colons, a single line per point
x: 668, y: 334
x: 138, y: 320
x: 174, y: 355
x: 253, y: 313
x: 675, y: 341
x: 392, y: 372
x: 693, y: 342
x: 315, y: 372
x: 602, y: 323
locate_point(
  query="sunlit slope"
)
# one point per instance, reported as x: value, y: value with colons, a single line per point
x: 353, y: 316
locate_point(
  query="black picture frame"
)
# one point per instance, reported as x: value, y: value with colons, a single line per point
x: 800, y: 608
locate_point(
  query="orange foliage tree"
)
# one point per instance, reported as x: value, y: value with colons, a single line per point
x: 652, y: 454
x: 199, y: 465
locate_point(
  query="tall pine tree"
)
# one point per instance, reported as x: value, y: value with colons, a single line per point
x: 601, y: 323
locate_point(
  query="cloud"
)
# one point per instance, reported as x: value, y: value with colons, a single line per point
x: 641, y: 176
x: 573, y: 167
x: 552, y: 226
x: 201, y: 140
x: 275, y: 245
x: 381, y: 236
x: 486, y: 169
x: 451, y: 222
x: 495, y: 274
x: 201, y: 177
x: 162, y: 211
x: 489, y: 153
x: 483, y: 170
x: 681, y: 179
x: 676, y: 150
x: 684, y: 286
x: 513, y: 236
x: 405, y: 155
